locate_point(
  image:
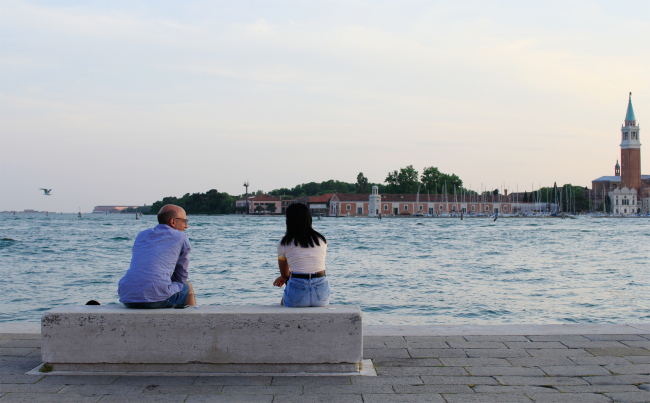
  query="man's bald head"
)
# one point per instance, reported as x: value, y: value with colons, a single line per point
x: 169, y: 211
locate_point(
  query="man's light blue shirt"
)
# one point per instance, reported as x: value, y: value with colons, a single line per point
x: 158, y: 266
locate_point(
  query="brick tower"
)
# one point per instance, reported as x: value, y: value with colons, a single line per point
x: 630, y: 151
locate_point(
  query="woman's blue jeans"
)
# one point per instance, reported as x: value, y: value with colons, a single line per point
x: 302, y: 292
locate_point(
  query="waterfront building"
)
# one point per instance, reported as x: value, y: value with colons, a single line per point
x: 628, y: 190
x: 270, y: 204
x: 112, y: 209
x: 346, y: 204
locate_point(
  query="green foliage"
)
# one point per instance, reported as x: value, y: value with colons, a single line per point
x: 271, y: 207
x: 403, y: 181
x: 316, y: 189
x: 568, y: 196
x: 362, y: 184
x: 525, y: 197
x: 259, y: 208
x: 437, y: 182
x: 211, y: 202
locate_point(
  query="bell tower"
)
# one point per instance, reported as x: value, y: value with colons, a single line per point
x: 617, y: 169
x: 630, y: 150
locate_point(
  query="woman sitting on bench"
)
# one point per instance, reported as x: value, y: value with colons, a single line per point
x: 301, y: 257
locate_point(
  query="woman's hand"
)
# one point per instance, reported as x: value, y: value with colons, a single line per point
x: 280, y: 281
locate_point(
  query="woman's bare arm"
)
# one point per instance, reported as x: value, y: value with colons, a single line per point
x: 284, y: 273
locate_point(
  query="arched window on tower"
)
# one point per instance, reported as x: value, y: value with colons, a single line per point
x: 624, y: 136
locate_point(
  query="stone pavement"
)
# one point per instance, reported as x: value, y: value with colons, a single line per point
x: 592, y: 367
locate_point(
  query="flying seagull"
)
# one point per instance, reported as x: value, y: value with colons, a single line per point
x: 46, y: 192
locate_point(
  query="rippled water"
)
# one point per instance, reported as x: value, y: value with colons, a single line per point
x: 400, y: 270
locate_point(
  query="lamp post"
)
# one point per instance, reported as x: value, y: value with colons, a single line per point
x: 246, y: 186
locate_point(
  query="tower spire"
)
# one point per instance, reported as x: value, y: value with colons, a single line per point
x: 629, y: 116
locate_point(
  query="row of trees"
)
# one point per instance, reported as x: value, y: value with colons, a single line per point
x: 404, y: 180
x: 570, y: 197
x: 408, y: 180
x: 210, y: 202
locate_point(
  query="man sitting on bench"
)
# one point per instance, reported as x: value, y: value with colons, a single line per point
x: 157, y: 277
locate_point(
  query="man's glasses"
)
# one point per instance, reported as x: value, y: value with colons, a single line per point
x: 184, y: 219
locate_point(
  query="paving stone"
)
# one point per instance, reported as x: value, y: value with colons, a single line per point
x: 535, y: 344
x: 644, y: 344
x: 385, y: 353
x: 496, y: 338
x: 540, y: 380
x: 497, y: 353
x: 154, y: 380
x: 23, y: 343
x: 569, y: 398
x: 19, y: 378
x: 29, y: 388
x: 407, y: 371
x: 385, y: 339
x: 419, y: 398
x: 602, y: 360
x: 640, y: 369
x: 235, y: 380
x: 262, y: 390
x: 641, y: 359
x: 614, y: 337
x: 184, y: 389
x: 512, y: 389
x: 410, y: 362
x: 438, y: 344
x: 432, y: 389
x: 102, y: 389
x: 138, y: 398
x: 35, y: 354
x: 551, y: 352
x: 459, y: 380
x: 629, y: 397
x: 575, y: 370
x: 619, y: 352
x: 594, y: 344
x: 539, y: 361
x: 15, y: 351
x: 317, y: 399
x: 50, y: 398
x: 491, y: 371
x: 78, y: 380
x: 436, y: 353
x: 312, y: 380
x: 597, y: 388
x: 347, y: 389
x: 560, y: 338
x: 432, y: 339
x: 487, y: 398
x: 476, y: 344
x: 618, y: 379
x: 18, y: 365
x: 227, y: 398
x: 475, y: 362
x: 376, y: 342
x: 386, y: 380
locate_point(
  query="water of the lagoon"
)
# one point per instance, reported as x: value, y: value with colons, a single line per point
x: 399, y: 270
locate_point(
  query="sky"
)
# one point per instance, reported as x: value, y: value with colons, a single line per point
x: 126, y: 102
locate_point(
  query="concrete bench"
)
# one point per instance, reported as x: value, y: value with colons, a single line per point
x: 209, y: 339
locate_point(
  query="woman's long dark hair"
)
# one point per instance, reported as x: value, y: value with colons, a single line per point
x: 299, y: 227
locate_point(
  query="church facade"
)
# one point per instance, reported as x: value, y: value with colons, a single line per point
x: 628, y: 190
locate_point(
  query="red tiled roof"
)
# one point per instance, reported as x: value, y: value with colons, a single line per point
x: 411, y: 198
x: 320, y: 199
x: 262, y: 198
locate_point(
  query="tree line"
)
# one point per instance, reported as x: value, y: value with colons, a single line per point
x: 405, y: 180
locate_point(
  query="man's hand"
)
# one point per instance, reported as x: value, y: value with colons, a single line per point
x: 280, y: 281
